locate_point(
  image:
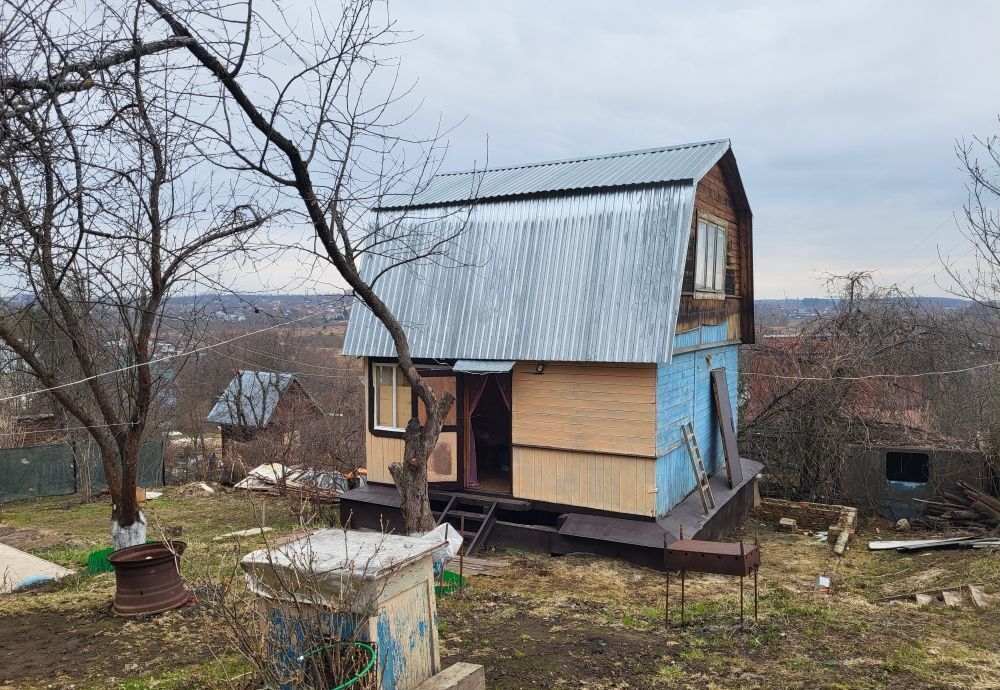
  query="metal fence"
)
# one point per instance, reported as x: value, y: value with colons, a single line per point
x: 64, y: 468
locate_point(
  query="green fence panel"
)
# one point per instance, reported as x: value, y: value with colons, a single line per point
x: 52, y: 470
x: 150, y: 466
x: 36, y: 471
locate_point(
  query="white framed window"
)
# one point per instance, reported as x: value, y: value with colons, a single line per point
x: 393, y: 400
x: 710, y: 259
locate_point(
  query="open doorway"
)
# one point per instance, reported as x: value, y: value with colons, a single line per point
x: 488, y: 458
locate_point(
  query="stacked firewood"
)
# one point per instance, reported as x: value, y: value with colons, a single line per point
x: 965, y: 505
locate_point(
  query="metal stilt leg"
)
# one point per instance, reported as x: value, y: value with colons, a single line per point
x: 683, y: 574
x: 666, y: 604
x: 755, y: 595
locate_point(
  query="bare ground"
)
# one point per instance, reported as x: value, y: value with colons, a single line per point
x: 570, y: 622
x: 585, y: 622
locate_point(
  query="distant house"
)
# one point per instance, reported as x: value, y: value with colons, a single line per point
x: 589, y: 302
x: 893, y: 449
x: 257, y: 403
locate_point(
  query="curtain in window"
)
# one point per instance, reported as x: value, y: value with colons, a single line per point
x: 478, y: 387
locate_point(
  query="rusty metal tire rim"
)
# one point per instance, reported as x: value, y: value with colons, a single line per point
x: 148, y: 579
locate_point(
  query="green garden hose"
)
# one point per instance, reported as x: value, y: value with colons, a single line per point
x: 360, y: 674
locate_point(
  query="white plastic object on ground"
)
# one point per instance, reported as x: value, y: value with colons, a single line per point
x: 453, y: 542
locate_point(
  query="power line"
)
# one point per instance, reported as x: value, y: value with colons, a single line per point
x: 934, y: 261
x: 342, y: 375
x: 929, y: 235
x: 157, y: 360
x: 64, y: 428
x: 867, y: 377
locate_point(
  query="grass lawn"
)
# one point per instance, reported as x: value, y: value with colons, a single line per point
x: 570, y: 622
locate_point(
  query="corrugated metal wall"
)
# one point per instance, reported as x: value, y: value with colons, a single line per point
x: 590, y: 277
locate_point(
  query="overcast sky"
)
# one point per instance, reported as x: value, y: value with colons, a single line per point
x: 843, y: 115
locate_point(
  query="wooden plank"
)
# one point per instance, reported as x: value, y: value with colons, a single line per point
x: 896, y: 544
x: 589, y: 408
x: 616, y: 483
x: 976, y: 596
x: 617, y: 530
x: 720, y: 391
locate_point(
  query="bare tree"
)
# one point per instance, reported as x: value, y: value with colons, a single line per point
x: 306, y: 109
x: 842, y: 381
x: 311, y: 108
x: 103, y: 216
x: 980, y: 160
x: 975, y: 407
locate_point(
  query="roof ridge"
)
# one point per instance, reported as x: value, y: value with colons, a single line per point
x: 592, y: 157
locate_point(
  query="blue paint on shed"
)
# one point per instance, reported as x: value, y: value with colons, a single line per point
x: 392, y: 661
x: 292, y: 633
x: 684, y: 394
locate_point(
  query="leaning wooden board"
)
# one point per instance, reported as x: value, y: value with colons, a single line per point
x: 720, y: 391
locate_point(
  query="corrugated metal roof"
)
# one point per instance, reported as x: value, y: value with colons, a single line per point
x: 581, y: 277
x: 480, y: 366
x: 667, y: 164
x: 250, y: 399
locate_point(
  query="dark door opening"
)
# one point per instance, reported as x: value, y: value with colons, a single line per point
x: 488, y: 457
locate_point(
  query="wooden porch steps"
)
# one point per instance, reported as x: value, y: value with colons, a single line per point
x: 480, y: 499
x: 474, y: 525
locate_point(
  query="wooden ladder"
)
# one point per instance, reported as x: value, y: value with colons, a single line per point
x: 698, y: 465
x: 481, y: 513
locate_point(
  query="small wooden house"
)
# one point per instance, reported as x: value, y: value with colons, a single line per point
x: 265, y: 407
x: 578, y: 318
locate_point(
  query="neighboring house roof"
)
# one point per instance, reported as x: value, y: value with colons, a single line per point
x: 250, y: 399
x: 648, y: 166
x: 533, y: 275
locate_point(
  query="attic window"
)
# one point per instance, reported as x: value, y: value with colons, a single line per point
x: 905, y: 466
x: 710, y: 261
x: 392, y: 397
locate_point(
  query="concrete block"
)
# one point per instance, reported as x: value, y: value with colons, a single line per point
x: 787, y: 524
x: 460, y: 676
x: 977, y: 596
x: 840, y: 546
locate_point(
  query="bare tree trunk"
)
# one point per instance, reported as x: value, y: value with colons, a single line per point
x: 128, y: 524
x: 83, y: 467
x: 410, y: 475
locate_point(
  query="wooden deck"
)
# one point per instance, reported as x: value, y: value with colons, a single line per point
x: 731, y: 507
x: 524, y: 524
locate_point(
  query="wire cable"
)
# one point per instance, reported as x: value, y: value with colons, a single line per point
x: 867, y: 377
x: 157, y: 360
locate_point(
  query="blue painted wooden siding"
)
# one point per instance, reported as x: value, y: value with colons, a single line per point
x: 684, y: 394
